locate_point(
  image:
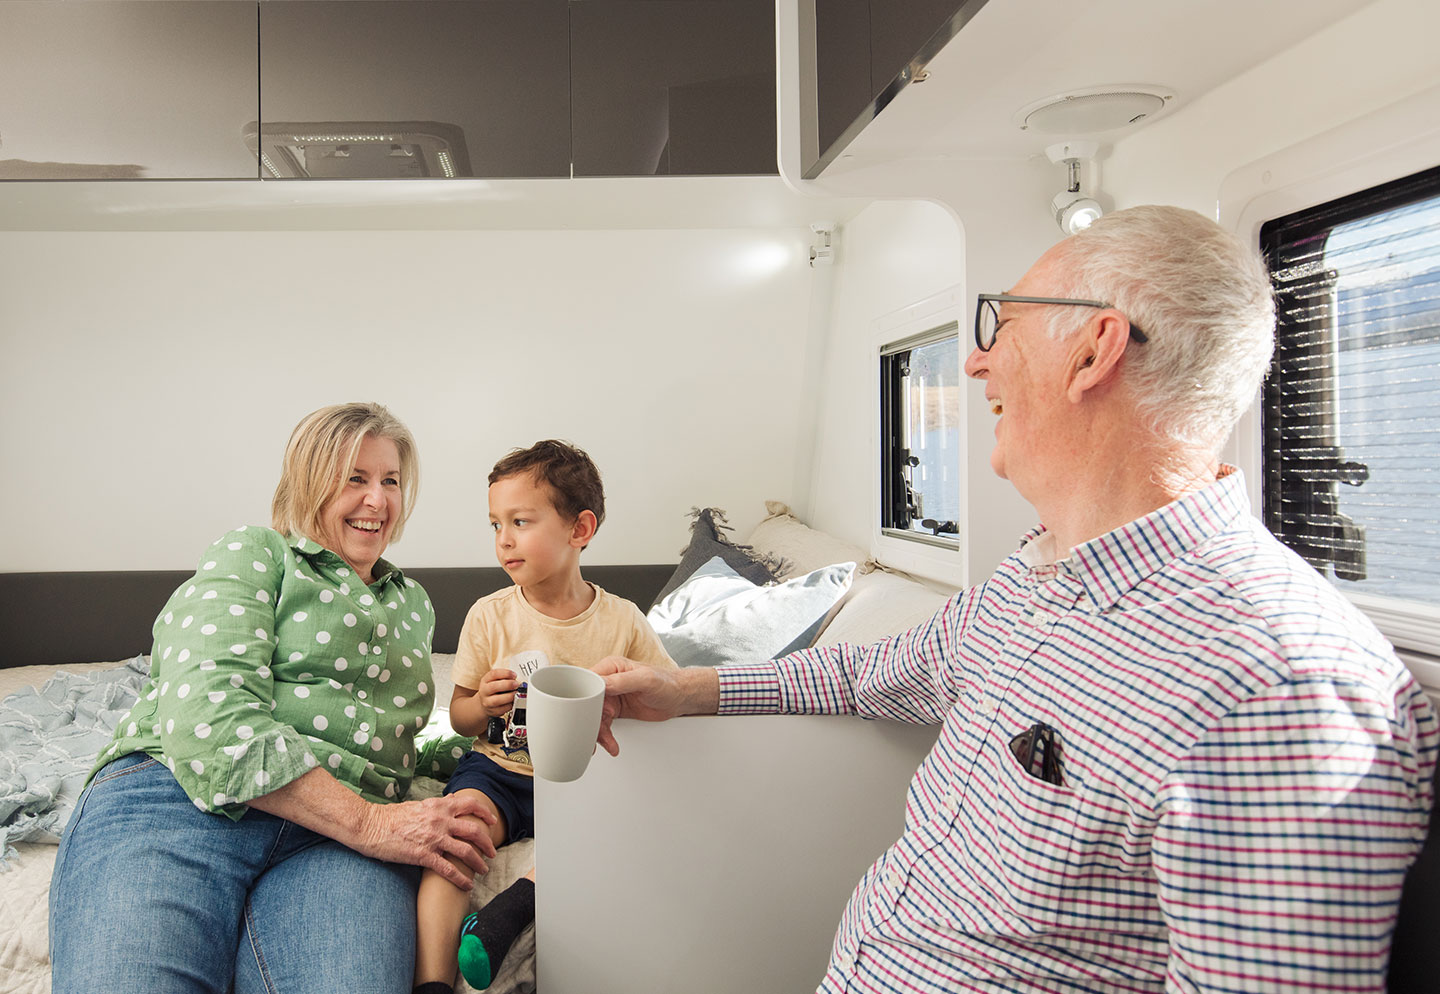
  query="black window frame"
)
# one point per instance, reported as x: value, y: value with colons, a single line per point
x: 899, y: 510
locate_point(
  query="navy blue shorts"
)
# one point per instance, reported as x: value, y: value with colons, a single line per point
x: 513, y: 794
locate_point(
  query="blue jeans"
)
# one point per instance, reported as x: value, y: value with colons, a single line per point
x: 152, y: 894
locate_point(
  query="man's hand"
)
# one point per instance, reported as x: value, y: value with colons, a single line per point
x: 423, y: 833
x: 634, y: 690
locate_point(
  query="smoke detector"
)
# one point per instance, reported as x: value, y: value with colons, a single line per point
x: 1094, y: 110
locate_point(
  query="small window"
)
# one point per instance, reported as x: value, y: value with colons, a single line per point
x: 1351, y: 409
x: 920, y: 391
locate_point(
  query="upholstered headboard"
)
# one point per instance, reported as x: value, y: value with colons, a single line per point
x: 93, y: 616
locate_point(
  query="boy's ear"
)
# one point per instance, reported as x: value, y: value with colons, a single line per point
x: 584, y: 529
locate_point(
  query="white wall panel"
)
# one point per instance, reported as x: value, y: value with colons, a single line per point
x: 150, y: 379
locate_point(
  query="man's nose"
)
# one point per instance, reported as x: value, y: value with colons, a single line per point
x: 977, y: 364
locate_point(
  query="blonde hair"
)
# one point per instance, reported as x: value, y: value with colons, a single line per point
x: 319, y: 456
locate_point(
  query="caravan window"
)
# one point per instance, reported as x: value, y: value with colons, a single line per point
x: 920, y: 390
x: 1351, y: 410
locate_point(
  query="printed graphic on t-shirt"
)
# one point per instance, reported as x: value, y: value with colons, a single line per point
x: 515, y: 742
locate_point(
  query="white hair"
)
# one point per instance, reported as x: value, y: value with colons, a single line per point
x: 1201, y: 297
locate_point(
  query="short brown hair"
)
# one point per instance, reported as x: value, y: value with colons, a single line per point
x: 570, y: 475
x: 321, y: 450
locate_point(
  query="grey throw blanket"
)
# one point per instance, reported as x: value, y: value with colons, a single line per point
x: 49, y: 739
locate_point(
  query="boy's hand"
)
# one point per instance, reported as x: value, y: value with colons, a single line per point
x: 497, y: 692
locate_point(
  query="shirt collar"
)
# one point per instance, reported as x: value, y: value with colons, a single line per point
x: 311, y: 549
x: 1112, y: 565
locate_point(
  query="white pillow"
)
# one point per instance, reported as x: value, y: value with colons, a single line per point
x: 882, y: 604
x: 784, y: 536
x: 718, y: 617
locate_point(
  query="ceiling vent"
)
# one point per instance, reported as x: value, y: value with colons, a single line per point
x: 1095, y: 110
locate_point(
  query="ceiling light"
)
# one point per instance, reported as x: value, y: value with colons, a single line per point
x: 1073, y: 210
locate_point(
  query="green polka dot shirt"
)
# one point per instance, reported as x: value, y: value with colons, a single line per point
x: 274, y: 659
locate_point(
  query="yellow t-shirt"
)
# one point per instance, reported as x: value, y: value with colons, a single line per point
x: 503, y: 624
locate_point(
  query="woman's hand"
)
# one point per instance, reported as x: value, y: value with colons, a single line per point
x: 423, y: 833
x: 497, y: 692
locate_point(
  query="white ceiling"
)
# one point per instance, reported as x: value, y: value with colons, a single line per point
x: 1014, y: 53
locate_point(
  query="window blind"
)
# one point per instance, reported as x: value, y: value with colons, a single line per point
x: 1351, y: 408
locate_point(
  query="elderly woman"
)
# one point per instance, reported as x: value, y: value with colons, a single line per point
x: 245, y: 830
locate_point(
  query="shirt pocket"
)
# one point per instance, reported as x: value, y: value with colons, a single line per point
x: 1070, y: 858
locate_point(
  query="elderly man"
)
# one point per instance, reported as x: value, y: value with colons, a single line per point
x: 1173, y: 756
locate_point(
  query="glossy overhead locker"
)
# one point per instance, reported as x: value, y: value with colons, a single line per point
x: 413, y: 88
x: 673, y: 87
x: 126, y: 89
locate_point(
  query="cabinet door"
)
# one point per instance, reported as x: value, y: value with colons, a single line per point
x: 378, y: 89
x: 681, y: 87
x: 126, y: 89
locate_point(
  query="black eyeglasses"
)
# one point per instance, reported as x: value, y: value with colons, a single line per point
x: 987, y: 314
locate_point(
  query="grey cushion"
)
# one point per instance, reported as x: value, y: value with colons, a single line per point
x: 707, y: 542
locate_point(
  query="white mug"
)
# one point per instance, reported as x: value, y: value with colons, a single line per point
x: 562, y: 718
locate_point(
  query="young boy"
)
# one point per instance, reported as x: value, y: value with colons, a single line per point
x: 546, y: 503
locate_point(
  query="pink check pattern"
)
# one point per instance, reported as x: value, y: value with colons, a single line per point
x: 1247, y: 772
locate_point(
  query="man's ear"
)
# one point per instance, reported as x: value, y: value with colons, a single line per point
x: 1094, y: 354
x: 586, y: 524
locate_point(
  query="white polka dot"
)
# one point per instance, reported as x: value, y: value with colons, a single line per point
x: 236, y: 610
x: 207, y: 664
x: 384, y: 675
x: 184, y: 655
x: 373, y: 671
x: 321, y: 722
x: 189, y: 590
x: 310, y: 759
x: 360, y: 694
x: 389, y: 790
x: 349, y: 710
x: 209, y: 565
x: 202, y: 731
x: 405, y: 760
x: 219, y: 800
x: 262, y: 778
x: 207, y: 629
x: 301, y: 615
x: 334, y: 684
x: 335, y: 761
x: 344, y: 587
x: 377, y: 650
x: 235, y: 546
x: 342, y: 571
x: 349, y: 620
x: 165, y: 688
x: 263, y: 672
x: 153, y: 691
x: 456, y: 752
x: 295, y: 657
x: 236, y: 680
x: 406, y: 661
x: 417, y: 653
x: 327, y: 596
x: 341, y: 663
x: 182, y: 691
x: 380, y: 630
x: 166, y: 654
x: 259, y: 567
x: 197, y: 766
x: 399, y: 730
x: 424, y: 689
x: 209, y: 595
x: 366, y: 599
x: 238, y: 648
x: 399, y: 701
x: 244, y: 732
x: 322, y: 637
x: 132, y: 729
x: 414, y: 616
x: 261, y: 633
x: 302, y: 691
x: 263, y: 595
x: 376, y: 745
x: 361, y: 738
x: 216, y: 696
x: 186, y: 623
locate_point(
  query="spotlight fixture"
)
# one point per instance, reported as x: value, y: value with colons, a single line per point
x: 1072, y: 209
